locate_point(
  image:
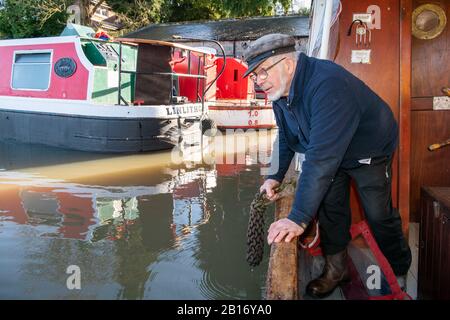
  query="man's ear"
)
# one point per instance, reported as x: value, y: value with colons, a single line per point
x: 290, y: 65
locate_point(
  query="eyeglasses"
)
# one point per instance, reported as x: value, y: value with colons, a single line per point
x: 262, y: 74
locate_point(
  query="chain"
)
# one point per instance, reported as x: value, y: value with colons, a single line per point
x: 256, y: 224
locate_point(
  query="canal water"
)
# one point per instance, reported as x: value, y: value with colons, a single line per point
x: 164, y: 225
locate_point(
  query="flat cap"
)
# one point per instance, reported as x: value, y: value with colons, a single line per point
x: 267, y: 46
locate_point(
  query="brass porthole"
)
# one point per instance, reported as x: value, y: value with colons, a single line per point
x: 428, y: 21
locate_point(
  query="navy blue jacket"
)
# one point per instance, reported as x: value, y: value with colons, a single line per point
x: 335, y: 120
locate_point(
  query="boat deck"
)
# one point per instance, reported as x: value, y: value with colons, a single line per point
x: 310, y: 267
x: 291, y: 268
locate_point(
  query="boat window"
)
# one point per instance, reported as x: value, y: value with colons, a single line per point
x: 31, y: 71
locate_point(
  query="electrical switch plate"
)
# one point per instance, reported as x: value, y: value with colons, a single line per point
x: 361, y: 56
x: 441, y: 103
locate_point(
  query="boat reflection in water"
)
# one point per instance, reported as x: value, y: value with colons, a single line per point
x: 137, y: 226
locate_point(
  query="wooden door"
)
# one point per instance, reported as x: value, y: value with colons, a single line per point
x: 430, y: 72
x: 382, y: 75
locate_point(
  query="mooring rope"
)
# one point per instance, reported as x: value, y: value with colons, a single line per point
x: 255, y: 229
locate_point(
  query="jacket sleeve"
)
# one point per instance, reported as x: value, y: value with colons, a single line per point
x: 281, y: 158
x: 334, y: 120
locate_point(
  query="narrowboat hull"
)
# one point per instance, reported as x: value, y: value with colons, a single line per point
x: 122, y: 129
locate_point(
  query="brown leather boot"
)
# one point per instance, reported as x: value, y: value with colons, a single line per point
x: 335, y: 273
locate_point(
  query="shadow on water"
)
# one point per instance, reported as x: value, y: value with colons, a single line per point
x: 139, y: 227
x: 14, y: 156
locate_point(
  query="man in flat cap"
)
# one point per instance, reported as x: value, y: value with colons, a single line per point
x: 346, y: 132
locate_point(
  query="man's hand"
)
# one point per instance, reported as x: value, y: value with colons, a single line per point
x: 283, y: 229
x: 268, y: 186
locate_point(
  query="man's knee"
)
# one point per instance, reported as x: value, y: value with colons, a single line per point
x: 336, y: 198
x: 380, y: 214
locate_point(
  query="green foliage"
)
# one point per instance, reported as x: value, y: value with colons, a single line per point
x: 36, y: 18
x: 286, y: 4
x: 189, y: 10
x: 33, y: 18
x: 139, y: 13
x: 245, y: 8
x: 135, y: 14
x: 304, y: 12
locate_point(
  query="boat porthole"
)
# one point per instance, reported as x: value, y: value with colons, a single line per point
x: 428, y: 21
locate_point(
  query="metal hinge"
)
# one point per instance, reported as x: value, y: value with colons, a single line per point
x: 436, y: 209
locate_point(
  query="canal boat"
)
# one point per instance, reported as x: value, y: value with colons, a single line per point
x: 79, y: 92
x: 238, y: 104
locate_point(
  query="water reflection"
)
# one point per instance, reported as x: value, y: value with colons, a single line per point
x: 137, y: 226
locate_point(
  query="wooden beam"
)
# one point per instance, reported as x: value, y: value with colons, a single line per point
x: 405, y: 113
x: 282, y: 275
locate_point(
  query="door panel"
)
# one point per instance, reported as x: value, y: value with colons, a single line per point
x: 382, y: 74
x: 430, y: 60
x: 430, y: 72
x: 428, y: 168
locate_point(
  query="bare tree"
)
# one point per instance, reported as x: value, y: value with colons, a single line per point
x: 88, y: 9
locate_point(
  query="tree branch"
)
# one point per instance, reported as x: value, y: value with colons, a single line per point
x: 96, y: 6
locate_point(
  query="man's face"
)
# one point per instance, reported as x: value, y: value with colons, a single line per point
x: 271, y: 78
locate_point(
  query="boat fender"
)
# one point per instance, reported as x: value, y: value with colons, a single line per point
x: 208, y: 127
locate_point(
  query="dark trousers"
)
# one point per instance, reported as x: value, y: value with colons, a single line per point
x: 373, y: 184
